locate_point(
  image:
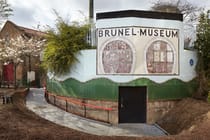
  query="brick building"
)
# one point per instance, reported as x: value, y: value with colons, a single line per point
x: 30, y: 63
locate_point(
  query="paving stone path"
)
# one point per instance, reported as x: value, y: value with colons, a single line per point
x: 35, y: 102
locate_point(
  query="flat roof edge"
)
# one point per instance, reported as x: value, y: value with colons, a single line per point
x: 140, y: 14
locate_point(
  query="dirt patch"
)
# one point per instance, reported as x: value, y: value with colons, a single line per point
x: 188, y: 120
x: 185, y: 116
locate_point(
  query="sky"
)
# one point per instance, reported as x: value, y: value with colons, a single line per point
x: 39, y: 13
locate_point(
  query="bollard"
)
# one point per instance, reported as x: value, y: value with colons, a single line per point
x: 7, y: 99
x: 3, y: 97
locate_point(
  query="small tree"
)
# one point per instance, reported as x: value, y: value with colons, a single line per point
x: 202, y: 44
x: 63, y: 43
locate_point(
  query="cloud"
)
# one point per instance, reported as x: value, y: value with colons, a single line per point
x: 29, y: 13
x: 106, y: 5
x: 23, y: 15
x: 136, y: 4
x: 114, y: 5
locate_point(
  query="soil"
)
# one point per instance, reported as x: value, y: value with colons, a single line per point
x: 189, y: 120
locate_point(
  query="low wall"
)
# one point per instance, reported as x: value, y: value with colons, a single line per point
x: 157, y: 109
x: 107, y: 111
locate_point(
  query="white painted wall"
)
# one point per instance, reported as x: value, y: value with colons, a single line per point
x: 86, y: 68
x: 133, y: 21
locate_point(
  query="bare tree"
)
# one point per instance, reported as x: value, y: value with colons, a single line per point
x: 5, y: 10
x: 190, y: 14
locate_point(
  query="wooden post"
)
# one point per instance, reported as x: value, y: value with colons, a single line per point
x: 108, y: 115
x: 66, y: 106
x: 54, y: 100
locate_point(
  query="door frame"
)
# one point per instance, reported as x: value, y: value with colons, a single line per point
x: 146, y: 100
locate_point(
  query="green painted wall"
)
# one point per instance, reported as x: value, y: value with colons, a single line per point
x: 104, y: 89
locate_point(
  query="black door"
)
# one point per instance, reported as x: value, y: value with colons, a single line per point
x: 132, y: 104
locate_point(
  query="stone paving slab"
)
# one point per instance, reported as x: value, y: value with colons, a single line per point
x: 35, y: 102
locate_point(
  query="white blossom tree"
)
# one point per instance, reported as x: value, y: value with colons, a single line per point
x: 15, y: 49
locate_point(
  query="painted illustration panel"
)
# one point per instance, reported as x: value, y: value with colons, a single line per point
x: 138, y: 50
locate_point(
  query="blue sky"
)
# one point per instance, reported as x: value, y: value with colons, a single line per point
x: 31, y: 13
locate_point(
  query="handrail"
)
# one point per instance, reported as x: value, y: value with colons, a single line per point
x: 80, y: 103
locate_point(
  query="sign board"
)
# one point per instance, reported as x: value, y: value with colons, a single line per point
x: 31, y: 76
x: 137, y: 50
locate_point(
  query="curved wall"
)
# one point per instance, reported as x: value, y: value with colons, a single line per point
x: 85, y: 70
x: 83, y: 81
x: 91, y: 84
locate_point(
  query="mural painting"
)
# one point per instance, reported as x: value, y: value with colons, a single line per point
x: 160, y: 57
x: 117, y: 57
x: 138, y: 50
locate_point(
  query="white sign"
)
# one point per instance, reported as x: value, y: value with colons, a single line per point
x: 31, y: 76
x: 137, y: 50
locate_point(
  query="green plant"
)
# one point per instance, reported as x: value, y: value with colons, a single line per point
x: 202, y: 44
x: 63, y: 44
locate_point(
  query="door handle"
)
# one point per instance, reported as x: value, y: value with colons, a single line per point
x: 121, y: 105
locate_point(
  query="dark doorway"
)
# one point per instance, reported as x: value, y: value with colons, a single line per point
x: 132, y: 104
x: 8, y: 74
